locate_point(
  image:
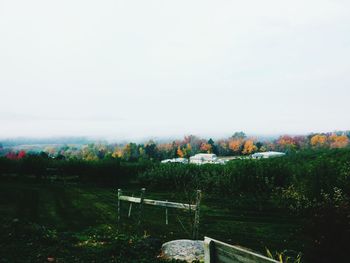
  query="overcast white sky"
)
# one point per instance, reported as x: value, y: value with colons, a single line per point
x: 132, y: 69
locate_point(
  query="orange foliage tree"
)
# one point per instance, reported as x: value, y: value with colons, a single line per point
x: 117, y: 153
x: 318, y: 140
x: 338, y: 141
x: 206, y: 147
x: 179, y: 152
x: 249, y: 147
x: 286, y: 142
x: 235, y: 145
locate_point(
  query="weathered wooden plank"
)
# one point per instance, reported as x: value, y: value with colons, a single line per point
x: 157, y: 202
x: 169, y: 204
x: 130, y: 199
x: 225, y: 253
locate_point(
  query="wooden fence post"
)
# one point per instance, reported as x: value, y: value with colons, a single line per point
x: 119, y: 194
x: 166, y: 215
x: 130, y: 207
x: 196, y: 215
x: 143, y: 190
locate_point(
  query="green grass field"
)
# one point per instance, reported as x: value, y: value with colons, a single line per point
x: 76, y: 223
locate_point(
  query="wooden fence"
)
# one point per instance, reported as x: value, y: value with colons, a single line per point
x: 219, y: 252
x: 142, y: 201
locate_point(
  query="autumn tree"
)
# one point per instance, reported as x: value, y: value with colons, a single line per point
x: 117, y: 153
x: 206, y: 148
x: 179, y: 152
x: 21, y: 154
x: 11, y: 156
x: 318, y: 140
x: 194, y: 141
x: 249, y: 147
x: 187, y: 150
x: 338, y: 141
x: 16, y: 156
x: 236, y: 145
x: 286, y: 142
x: 131, y: 152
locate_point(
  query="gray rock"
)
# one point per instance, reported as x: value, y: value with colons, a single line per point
x: 183, y: 249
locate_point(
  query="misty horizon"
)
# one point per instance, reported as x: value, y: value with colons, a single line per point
x: 71, y: 140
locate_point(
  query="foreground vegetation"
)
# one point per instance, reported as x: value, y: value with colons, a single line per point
x: 30, y: 242
x: 77, y: 223
x: 313, y: 185
x: 299, y: 202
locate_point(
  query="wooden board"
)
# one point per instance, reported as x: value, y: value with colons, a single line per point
x: 130, y: 199
x: 169, y: 204
x: 220, y: 252
x: 157, y: 202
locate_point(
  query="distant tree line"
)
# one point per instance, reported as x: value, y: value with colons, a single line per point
x: 237, y: 144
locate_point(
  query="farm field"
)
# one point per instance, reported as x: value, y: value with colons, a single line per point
x: 76, y: 223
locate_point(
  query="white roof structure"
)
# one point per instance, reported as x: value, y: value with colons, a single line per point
x: 202, y: 158
x: 175, y: 160
x: 267, y: 155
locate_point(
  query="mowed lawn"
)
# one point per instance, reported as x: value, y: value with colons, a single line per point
x: 76, y: 208
x: 63, y: 208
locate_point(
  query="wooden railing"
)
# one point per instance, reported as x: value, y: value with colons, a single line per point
x: 219, y: 252
x: 142, y: 201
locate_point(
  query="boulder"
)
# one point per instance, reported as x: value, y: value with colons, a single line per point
x: 183, y: 249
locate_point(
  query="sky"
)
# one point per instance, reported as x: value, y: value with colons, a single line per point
x: 136, y: 68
